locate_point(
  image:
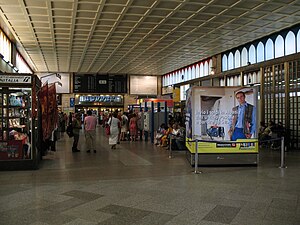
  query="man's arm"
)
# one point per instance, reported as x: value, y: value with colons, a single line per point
x: 253, y: 122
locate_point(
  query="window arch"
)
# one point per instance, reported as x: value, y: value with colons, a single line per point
x: 201, y: 70
x: 237, y: 59
x: 244, y: 58
x: 260, y: 52
x: 193, y: 72
x: 189, y: 72
x: 252, y: 54
x: 269, y: 49
x: 279, y: 46
x: 206, y: 68
x: 290, y: 43
x: 185, y: 71
x: 210, y: 65
x: 298, y: 41
x: 230, y: 61
x: 197, y: 71
x: 224, y: 63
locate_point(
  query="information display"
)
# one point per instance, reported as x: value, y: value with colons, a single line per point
x: 97, y: 83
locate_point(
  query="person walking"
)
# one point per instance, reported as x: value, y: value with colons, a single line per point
x: 90, y: 123
x: 115, y: 125
x: 76, y: 124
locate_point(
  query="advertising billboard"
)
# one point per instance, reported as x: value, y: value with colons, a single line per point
x: 225, y: 117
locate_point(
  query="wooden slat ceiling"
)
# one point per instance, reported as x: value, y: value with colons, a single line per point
x: 137, y: 36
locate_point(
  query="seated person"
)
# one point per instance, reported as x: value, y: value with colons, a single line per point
x: 165, y: 139
x: 178, y: 142
x: 159, y: 134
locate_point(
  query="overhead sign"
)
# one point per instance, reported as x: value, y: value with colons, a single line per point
x: 15, y: 79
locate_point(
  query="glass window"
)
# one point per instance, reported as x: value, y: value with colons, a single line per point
x: 260, y: 54
x: 269, y: 49
x: 298, y: 41
x: 206, y: 70
x: 193, y: 72
x: 290, y: 43
x: 201, y: 70
x: 244, y: 57
x: 210, y: 65
x: 22, y: 65
x: 279, y: 47
x: 5, y: 46
x: 252, y: 54
x: 224, y: 63
x: 230, y: 61
x: 237, y: 59
x: 197, y: 71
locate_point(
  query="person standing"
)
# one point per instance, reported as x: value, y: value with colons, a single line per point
x: 90, y: 123
x: 124, y: 127
x: 243, y: 121
x: 133, y: 127
x: 115, y: 125
x: 76, y: 124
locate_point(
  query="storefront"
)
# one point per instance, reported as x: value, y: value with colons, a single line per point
x: 99, y: 103
x: 20, y: 122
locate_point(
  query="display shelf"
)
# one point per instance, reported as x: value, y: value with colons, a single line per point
x: 17, y: 133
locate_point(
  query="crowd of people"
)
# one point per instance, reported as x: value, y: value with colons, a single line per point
x: 267, y: 133
x: 171, y: 136
x: 122, y: 126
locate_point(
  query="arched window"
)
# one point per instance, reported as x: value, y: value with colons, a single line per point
x: 189, y: 71
x: 298, y: 41
x: 244, y: 57
x: 269, y: 49
x: 197, y: 71
x: 290, y: 43
x: 193, y: 72
x: 201, y: 70
x: 252, y: 54
x: 224, y: 63
x: 230, y: 61
x: 206, y: 71
x: 260, y: 53
x: 279, y: 46
x: 185, y: 74
x: 210, y: 65
x: 237, y: 59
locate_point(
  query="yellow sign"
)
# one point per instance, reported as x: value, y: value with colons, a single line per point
x: 240, y: 146
x: 176, y: 95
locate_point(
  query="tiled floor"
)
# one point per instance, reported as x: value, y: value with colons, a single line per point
x: 137, y: 184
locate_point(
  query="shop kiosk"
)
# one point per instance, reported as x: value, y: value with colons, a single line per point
x: 209, y: 117
x: 19, y: 121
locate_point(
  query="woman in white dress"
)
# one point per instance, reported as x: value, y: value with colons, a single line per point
x: 115, y: 125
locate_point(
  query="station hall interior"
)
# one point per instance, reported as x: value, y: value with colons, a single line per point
x: 151, y: 57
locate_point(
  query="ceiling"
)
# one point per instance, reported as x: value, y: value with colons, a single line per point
x: 151, y: 37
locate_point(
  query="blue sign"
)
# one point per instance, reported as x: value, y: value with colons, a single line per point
x: 72, y: 102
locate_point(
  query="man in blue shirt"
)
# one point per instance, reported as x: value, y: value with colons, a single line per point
x: 243, y: 123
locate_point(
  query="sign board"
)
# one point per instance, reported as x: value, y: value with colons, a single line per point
x: 97, y: 83
x: 15, y: 79
x: 219, y: 114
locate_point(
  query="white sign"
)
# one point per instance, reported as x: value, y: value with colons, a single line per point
x: 143, y: 85
x: 15, y: 79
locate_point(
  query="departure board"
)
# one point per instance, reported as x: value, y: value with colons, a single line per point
x: 97, y: 83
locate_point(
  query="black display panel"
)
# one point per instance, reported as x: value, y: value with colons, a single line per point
x: 96, y: 83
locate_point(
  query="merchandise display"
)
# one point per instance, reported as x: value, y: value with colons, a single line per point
x: 18, y: 122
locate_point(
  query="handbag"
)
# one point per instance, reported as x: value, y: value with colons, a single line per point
x: 70, y: 131
x: 107, y: 128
